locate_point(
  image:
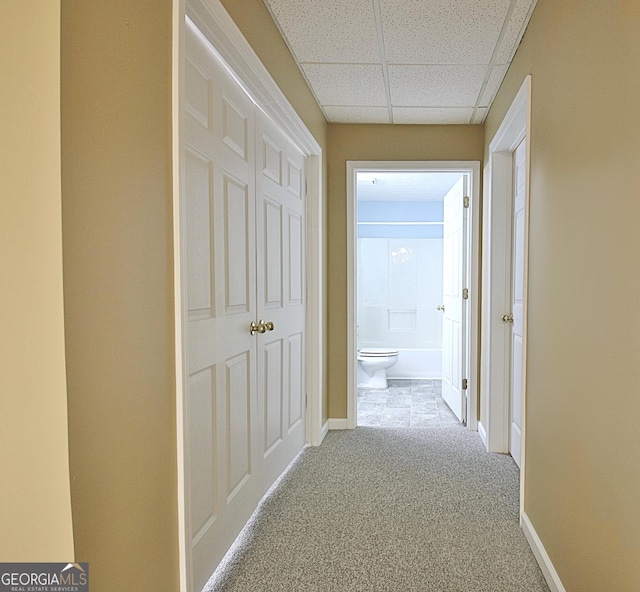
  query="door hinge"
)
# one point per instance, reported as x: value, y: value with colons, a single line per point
x: 466, y: 201
x: 465, y: 384
x: 465, y: 293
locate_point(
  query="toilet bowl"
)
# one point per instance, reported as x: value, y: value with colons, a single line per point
x: 372, y: 366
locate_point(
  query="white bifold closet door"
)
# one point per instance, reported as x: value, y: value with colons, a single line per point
x: 242, y: 237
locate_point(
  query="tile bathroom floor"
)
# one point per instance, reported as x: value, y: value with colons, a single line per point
x: 405, y: 404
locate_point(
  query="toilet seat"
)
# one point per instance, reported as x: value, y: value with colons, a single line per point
x: 377, y: 352
x: 373, y: 363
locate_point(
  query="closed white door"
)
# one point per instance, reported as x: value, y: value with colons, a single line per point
x: 453, y: 319
x: 517, y: 291
x: 280, y: 216
x: 219, y: 303
x: 242, y: 224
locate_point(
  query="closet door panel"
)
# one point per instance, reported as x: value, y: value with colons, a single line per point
x: 296, y: 381
x: 242, y: 223
x: 280, y: 294
x: 219, y: 302
x: 272, y: 253
x: 238, y: 424
x: 295, y: 285
x: 273, y: 385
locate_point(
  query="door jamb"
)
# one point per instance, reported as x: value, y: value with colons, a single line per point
x: 472, y: 279
x: 215, y: 23
x: 497, y: 223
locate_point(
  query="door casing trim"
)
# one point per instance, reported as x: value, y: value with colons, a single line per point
x: 471, y: 281
x: 496, y: 292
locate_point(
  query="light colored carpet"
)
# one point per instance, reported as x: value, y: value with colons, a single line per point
x: 388, y: 510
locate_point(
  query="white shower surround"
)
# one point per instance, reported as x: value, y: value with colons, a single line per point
x: 397, y: 302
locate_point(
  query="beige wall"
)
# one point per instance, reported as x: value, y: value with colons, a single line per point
x: 35, y: 506
x: 583, y: 407
x: 374, y: 142
x: 118, y: 282
x: 257, y: 26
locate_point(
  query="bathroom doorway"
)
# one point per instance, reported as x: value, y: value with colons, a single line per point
x: 412, y: 285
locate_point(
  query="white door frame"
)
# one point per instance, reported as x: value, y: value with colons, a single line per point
x: 471, y: 167
x: 496, y: 293
x: 221, y: 31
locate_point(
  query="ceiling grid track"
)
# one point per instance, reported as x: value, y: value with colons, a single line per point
x: 383, y: 57
x: 492, y: 61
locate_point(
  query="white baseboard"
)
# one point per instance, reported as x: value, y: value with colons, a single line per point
x: 549, y: 572
x: 338, y: 424
x: 483, y: 435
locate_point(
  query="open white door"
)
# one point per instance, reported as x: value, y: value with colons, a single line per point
x: 454, y: 318
x: 517, y: 294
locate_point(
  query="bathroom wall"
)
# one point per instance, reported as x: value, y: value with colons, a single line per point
x: 400, y: 281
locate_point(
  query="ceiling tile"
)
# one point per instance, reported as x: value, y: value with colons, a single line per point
x: 435, y: 86
x: 357, y: 114
x: 328, y: 30
x: 429, y: 115
x: 441, y: 31
x: 495, y: 80
x: 513, y: 31
x: 347, y: 85
x: 443, y: 57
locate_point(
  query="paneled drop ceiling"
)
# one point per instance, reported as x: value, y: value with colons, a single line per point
x: 403, y: 61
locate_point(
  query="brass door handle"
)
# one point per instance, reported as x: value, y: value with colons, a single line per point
x: 261, y: 327
x: 440, y: 307
x: 507, y: 318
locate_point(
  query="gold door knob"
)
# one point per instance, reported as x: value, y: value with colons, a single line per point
x: 441, y: 307
x: 507, y: 318
x: 261, y: 327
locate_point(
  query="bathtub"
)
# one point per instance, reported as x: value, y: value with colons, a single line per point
x: 417, y: 363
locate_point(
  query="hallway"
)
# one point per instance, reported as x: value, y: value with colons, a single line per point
x: 392, y: 510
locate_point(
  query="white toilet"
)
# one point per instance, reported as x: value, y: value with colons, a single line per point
x: 373, y: 363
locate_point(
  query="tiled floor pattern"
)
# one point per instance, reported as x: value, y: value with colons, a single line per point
x: 406, y: 403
